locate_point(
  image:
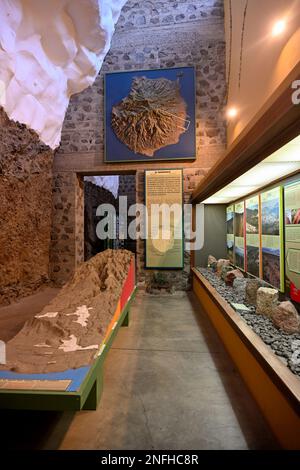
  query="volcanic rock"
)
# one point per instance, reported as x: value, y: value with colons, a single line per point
x: 266, y: 301
x: 285, y: 317
x: 252, y: 287
x: 224, y: 271
x: 232, y: 275
x: 221, y: 263
x: 239, y: 285
x: 211, y: 259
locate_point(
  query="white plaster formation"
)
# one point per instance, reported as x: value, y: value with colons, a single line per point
x: 50, y: 50
x: 48, y: 314
x: 70, y: 345
x: 111, y: 183
x: 82, y: 313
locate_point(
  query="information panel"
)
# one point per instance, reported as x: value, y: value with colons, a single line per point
x: 164, y: 219
x: 239, y: 238
x: 292, y: 238
x: 271, y: 238
x: 252, y: 236
x: 230, y: 233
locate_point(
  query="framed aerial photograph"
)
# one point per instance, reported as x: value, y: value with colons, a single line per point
x: 150, y: 115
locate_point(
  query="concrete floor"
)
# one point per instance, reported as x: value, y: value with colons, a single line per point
x: 168, y: 384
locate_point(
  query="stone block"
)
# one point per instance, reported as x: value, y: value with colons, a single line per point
x: 221, y: 263
x: 285, y: 317
x: 232, y: 275
x: 266, y: 301
x: 252, y: 287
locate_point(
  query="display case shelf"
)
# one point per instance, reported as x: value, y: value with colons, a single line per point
x: 274, y: 387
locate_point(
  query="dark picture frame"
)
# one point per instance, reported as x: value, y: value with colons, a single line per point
x: 117, y: 86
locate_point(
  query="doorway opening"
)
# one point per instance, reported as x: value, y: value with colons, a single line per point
x: 106, y: 189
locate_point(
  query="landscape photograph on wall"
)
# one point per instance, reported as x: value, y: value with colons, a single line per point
x: 270, y: 213
x: 239, y: 256
x: 271, y: 243
x: 252, y: 235
x: 230, y: 233
x: 271, y: 266
x: 150, y: 115
x: 239, y: 220
x: 239, y: 240
x: 230, y: 247
x: 229, y: 219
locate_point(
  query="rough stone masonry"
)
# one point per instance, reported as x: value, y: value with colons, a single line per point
x: 148, y: 35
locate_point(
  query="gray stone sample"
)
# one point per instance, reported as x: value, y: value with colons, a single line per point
x: 221, y: 263
x: 211, y: 260
x: 224, y: 271
x: 239, y: 287
x: 251, y: 290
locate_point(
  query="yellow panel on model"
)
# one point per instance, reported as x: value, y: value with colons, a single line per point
x: 283, y: 420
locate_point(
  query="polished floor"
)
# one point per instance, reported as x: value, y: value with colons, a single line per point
x: 168, y: 384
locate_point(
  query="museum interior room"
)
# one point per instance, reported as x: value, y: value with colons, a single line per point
x: 150, y: 203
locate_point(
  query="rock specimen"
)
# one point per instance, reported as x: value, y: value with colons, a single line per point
x: 50, y: 50
x: 286, y: 318
x: 232, y: 275
x: 239, y: 285
x: 211, y: 260
x: 220, y: 263
x: 152, y: 116
x: 252, y: 287
x: 224, y: 271
x: 68, y: 332
x: 266, y: 301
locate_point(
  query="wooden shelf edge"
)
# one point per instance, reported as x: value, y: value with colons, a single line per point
x: 278, y: 372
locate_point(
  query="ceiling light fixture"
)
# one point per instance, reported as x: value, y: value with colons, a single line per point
x: 278, y: 28
x: 232, y: 112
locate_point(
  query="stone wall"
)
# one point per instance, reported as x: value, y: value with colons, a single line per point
x: 26, y: 207
x: 94, y: 196
x: 152, y: 35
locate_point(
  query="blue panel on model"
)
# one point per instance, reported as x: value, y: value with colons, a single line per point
x: 76, y: 375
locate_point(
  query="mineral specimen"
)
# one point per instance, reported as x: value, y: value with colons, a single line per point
x: 286, y: 318
x: 266, y: 300
x: 152, y: 116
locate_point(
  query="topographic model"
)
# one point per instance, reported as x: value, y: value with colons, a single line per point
x: 68, y: 332
x: 152, y: 116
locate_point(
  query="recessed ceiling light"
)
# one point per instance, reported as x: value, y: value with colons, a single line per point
x: 232, y: 112
x: 278, y: 28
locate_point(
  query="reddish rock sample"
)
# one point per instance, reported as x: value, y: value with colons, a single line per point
x: 232, y: 275
x: 285, y: 317
x: 266, y: 301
